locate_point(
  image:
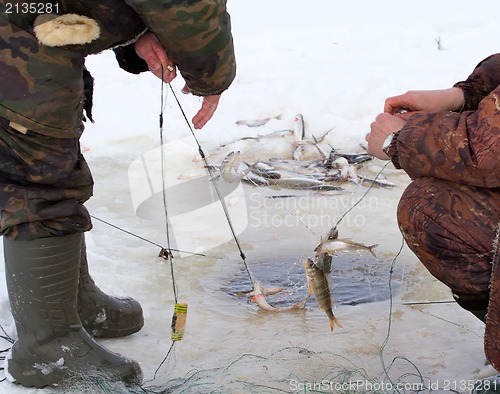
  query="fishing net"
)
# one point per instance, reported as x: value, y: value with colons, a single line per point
x: 287, y: 370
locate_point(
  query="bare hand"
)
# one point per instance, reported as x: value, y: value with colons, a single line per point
x: 426, y: 100
x: 384, y: 125
x: 207, y: 110
x: 150, y: 49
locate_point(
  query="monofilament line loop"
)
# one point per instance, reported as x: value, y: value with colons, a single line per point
x: 164, y: 188
x: 145, y: 239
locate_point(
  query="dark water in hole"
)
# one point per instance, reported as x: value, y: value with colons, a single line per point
x: 355, y: 278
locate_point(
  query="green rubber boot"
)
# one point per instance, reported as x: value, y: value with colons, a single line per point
x: 104, y: 316
x: 52, y: 345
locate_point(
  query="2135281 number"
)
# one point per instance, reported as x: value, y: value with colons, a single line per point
x: 31, y: 8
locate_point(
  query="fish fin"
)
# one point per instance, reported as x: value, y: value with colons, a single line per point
x: 318, y: 247
x: 309, y: 288
x: 273, y: 290
x: 299, y: 305
x: 371, y: 247
x: 336, y: 321
x: 331, y: 325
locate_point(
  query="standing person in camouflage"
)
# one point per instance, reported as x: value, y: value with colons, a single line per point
x: 449, y: 144
x: 44, y: 180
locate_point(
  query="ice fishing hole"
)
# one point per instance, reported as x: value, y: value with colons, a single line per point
x: 355, y: 278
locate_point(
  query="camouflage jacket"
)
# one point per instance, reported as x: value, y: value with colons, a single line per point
x: 462, y: 147
x: 41, y: 81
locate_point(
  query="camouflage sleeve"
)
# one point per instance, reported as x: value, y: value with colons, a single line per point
x: 459, y: 147
x: 482, y: 81
x: 197, y: 36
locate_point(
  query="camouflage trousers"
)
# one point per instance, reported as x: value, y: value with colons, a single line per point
x: 44, y: 182
x: 451, y: 228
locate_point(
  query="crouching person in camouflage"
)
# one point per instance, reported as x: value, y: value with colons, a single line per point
x: 44, y: 180
x: 449, y: 144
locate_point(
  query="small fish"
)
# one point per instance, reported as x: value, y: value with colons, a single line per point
x: 321, y: 151
x: 256, y: 122
x: 325, y: 188
x: 264, y: 170
x: 299, y: 133
x: 319, y: 287
x: 285, y: 134
x: 261, y: 301
x: 333, y: 233
x: 324, y: 262
x: 315, y: 141
x: 264, y: 290
x: 332, y: 246
x: 296, y: 183
x: 192, y: 174
x: 255, y: 179
x: 380, y: 181
x: 229, y: 169
x: 352, y: 158
x: 342, y: 165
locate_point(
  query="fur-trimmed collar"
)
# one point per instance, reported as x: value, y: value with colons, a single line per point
x: 67, y: 29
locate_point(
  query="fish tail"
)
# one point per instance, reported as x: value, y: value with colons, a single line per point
x: 336, y: 321
x: 370, y: 248
x: 331, y: 324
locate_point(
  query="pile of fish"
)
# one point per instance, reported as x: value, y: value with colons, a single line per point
x: 324, y: 173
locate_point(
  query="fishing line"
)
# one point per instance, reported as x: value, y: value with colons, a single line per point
x: 164, y: 359
x: 386, y: 340
x: 147, y: 240
x: 391, y: 300
x: 364, y: 194
x: 176, y: 335
x: 164, y: 192
x: 216, y: 187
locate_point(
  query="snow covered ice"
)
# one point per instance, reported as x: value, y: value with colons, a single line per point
x: 335, y: 63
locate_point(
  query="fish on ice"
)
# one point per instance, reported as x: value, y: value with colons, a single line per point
x: 230, y: 168
x: 256, y: 122
x: 299, y: 133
